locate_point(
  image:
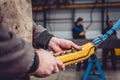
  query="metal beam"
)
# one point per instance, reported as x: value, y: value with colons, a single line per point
x: 71, y: 6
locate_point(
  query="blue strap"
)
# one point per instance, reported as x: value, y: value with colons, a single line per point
x: 107, y: 34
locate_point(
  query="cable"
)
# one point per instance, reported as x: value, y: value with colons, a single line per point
x: 107, y: 14
x: 49, y: 13
x: 35, y: 16
x: 91, y: 15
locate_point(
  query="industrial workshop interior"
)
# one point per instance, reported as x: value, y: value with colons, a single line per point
x: 60, y: 39
x: 62, y: 18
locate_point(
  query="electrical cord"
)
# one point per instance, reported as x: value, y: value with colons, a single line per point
x: 49, y: 26
x: 91, y: 14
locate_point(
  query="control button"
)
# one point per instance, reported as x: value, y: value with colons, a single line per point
x: 83, y: 49
x: 67, y: 52
x: 73, y: 50
x: 62, y: 53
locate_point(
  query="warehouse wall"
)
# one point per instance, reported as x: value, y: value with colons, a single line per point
x: 60, y: 22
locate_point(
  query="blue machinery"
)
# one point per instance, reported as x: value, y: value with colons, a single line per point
x: 93, y: 60
x: 94, y: 63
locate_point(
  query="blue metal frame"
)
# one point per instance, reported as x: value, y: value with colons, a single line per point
x: 93, y: 61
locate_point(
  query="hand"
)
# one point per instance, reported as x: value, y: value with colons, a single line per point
x: 58, y: 45
x: 82, y: 33
x: 85, y: 30
x: 47, y: 64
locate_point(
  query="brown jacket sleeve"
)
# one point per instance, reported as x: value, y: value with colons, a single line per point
x: 41, y: 36
x: 16, y: 56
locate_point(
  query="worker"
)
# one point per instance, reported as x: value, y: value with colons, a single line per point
x: 111, y: 50
x: 78, y: 32
x: 18, y: 58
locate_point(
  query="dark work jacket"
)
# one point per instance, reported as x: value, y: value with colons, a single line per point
x: 76, y: 30
x: 16, y: 55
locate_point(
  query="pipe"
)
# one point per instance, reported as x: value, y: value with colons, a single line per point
x: 71, y: 6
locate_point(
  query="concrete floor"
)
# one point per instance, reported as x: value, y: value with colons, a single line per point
x: 71, y: 74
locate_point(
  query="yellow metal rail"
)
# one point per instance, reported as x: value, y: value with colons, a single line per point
x: 71, y: 6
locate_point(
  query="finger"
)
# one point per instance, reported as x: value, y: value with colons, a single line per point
x: 51, y: 68
x: 60, y: 65
x: 56, y: 69
x: 56, y: 48
x: 76, y: 46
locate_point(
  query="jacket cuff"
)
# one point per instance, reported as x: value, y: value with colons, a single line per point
x: 42, y: 40
x: 35, y: 64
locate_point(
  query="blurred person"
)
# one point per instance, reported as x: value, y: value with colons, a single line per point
x: 78, y: 32
x: 110, y: 50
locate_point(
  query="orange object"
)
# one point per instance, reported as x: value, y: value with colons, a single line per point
x: 71, y: 57
x: 117, y: 51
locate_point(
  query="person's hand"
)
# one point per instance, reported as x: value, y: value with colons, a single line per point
x: 58, y: 45
x: 82, y: 33
x: 48, y: 64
